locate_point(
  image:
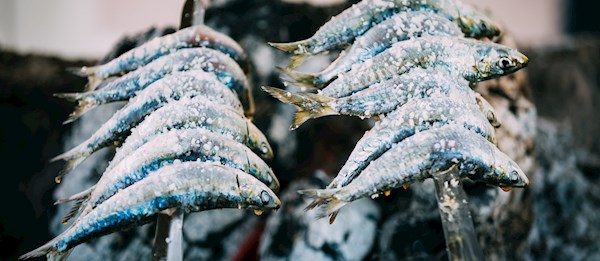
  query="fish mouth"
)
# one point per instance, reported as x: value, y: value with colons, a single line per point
x: 522, y: 59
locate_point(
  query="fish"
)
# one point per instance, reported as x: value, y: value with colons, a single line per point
x: 175, y: 146
x: 417, y: 158
x: 196, y: 112
x: 384, y: 97
x: 171, y: 88
x: 400, y: 27
x: 125, y: 87
x: 473, y: 60
x: 343, y: 28
x: 191, y: 186
x: 195, y: 36
x: 416, y: 116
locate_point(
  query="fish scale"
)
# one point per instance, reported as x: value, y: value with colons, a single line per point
x: 195, y: 113
x: 417, y: 158
x: 192, y: 186
x: 416, y: 116
x: 402, y: 26
x: 178, y: 145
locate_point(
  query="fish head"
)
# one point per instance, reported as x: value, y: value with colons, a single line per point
x: 487, y: 110
x: 258, y: 196
x: 258, y: 141
x: 478, y: 26
x: 495, y: 60
x: 506, y: 173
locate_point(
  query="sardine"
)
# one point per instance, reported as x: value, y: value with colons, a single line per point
x: 123, y: 88
x: 473, y: 60
x: 173, y: 87
x: 400, y: 27
x: 196, y: 113
x: 416, y: 116
x: 192, y: 186
x: 195, y: 36
x: 385, y: 96
x: 417, y: 158
x: 342, y: 29
x: 173, y: 146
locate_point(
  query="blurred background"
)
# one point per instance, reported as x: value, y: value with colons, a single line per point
x: 552, y: 110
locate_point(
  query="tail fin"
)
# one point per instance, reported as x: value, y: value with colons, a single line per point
x: 326, y: 202
x: 296, y: 60
x: 309, y: 105
x: 308, y: 81
x: 84, y: 105
x: 45, y: 249
x: 73, y: 157
x: 90, y: 72
x: 74, y: 209
x: 298, y: 47
x: 81, y: 195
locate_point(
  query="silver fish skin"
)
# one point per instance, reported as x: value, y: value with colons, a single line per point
x: 416, y: 116
x: 196, y: 112
x: 125, y: 87
x: 417, y: 158
x: 171, y: 88
x: 400, y: 27
x: 192, y: 186
x: 177, y: 146
x: 343, y: 28
x: 473, y: 60
x: 385, y: 96
x: 195, y: 36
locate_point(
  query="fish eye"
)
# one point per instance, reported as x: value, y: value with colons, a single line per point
x: 490, y: 116
x: 504, y: 63
x: 265, y: 198
x: 483, y: 26
x: 264, y: 148
x: 514, y: 176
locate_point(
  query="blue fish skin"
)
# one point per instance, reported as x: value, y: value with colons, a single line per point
x: 192, y: 186
x: 196, y: 112
x: 178, y: 146
x: 208, y: 60
x: 473, y: 60
x: 171, y: 88
x: 400, y: 27
x: 417, y: 158
x: 195, y: 36
x: 416, y: 116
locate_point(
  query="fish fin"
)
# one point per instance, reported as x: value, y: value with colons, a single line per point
x: 326, y: 202
x: 73, y: 156
x: 45, y: 249
x: 69, y: 166
x: 74, y: 210
x: 309, y: 105
x: 304, y: 80
x: 90, y: 73
x: 292, y: 47
x: 81, y: 195
x: 83, y: 106
x: 59, y: 256
x: 296, y: 60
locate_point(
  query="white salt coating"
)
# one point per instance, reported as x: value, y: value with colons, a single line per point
x: 400, y: 27
x: 459, y: 55
x: 192, y: 113
x: 409, y: 161
x: 416, y: 114
x: 201, y: 178
x: 170, y: 145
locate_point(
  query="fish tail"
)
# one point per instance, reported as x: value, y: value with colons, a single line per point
x: 325, y: 201
x: 81, y: 195
x: 59, y: 256
x: 75, y: 209
x: 309, y: 105
x: 298, y: 47
x: 296, y: 60
x: 84, y: 105
x: 90, y: 73
x: 45, y: 249
x: 304, y: 80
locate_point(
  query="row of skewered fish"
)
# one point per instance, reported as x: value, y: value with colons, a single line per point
x: 408, y: 63
x: 185, y: 141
